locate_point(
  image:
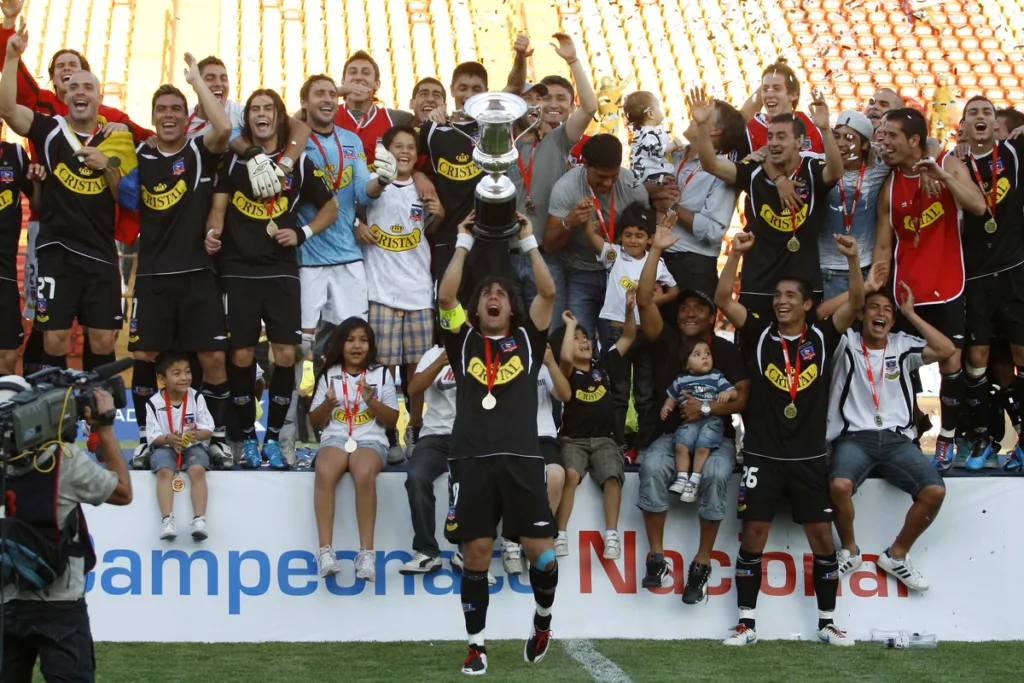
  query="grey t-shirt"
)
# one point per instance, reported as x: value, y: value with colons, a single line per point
x: 570, y: 189
x: 81, y: 481
x: 548, y: 166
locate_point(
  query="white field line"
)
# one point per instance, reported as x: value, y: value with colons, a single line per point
x: 600, y: 668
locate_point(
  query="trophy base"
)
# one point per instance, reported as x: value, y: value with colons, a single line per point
x: 496, y: 221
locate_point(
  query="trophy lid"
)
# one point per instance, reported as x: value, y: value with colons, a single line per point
x: 495, y: 107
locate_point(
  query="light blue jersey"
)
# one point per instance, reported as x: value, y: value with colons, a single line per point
x: 337, y: 244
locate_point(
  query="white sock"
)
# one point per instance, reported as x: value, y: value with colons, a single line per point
x: 611, y: 532
x: 695, y: 478
x: 543, y: 611
x: 682, y: 475
x: 947, y: 433
x: 477, y: 639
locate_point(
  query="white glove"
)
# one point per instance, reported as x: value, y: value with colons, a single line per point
x: 385, y: 165
x: 265, y: 176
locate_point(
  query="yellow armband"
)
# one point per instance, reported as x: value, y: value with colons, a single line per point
x: 452, y: 319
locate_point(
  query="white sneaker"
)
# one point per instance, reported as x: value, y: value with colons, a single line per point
x: 327, y: 561
x: 562, y: 544
x: 421, y: 563
x: 366, y: 568
x: 612, y: 546
x: 830, y: 635
x: 287, y: 444
x: 678, y: 485
x: 199, y: 532
x: 511, y: 557
x: 903, y: 570
x: 848, y: 561
x: 741, y: 636
x: 689, y: 493
x: 168, y: 530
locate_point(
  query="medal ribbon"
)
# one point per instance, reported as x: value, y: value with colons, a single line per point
x: 170, y: 423
x: 792, y: 378
x: 848, y: 214
x: 917, y: 205
x: 609, y: 228
x: 990, y: 203
x: 341, y: 157
x: 91, y: 136
x: 490, y: 368
x: 350, y: 413
x: 871, y: 374
x: 367, y: 117
x: 188, y: 124
x: 688, y: 178
x: 527, y: 172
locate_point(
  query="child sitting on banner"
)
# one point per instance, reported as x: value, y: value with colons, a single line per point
x: 179, y: 427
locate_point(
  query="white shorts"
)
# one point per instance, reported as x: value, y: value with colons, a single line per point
x: 31, y: 270
x: 333, y: 293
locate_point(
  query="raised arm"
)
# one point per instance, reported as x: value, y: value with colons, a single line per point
x: 651, y: 322
x: 544, y: 302
x: 561, y: 390
x: 568, y: 342
x: 517, y: 76
x: 448, y: 288
x: 580, y: 118
x: 940, y: 347
x: 624, y: 342
x: 732, y: 309
x: 854, y: 303
x: 19, y: 118
x: 833, y: 158
x: 702, y: 110
x: 217, y: 133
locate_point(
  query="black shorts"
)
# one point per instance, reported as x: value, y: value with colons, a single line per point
x: 510, y: 489
x: 551, y: 451
x: 804, y: 483
x: 11, y: 331
x: 949, y: 318
x: 72, y: 286
x: 182, y: 311
x: 273, y: 301
x: 995, y: 304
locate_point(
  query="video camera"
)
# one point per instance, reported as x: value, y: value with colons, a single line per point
x: 33, y: 417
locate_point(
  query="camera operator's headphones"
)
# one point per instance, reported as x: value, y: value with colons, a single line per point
x: 11, y: 385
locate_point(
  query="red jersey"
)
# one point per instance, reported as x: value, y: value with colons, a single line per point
x: 576, y: 154
x: 370, y: 130
x: 929, y: 255
x: 757, y: 133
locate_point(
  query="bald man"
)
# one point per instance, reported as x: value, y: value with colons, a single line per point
x: 882, y: 101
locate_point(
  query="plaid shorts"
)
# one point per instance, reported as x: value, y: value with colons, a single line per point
x: 402, y: 336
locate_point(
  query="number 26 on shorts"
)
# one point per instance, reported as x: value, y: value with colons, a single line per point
x: 748, y: 479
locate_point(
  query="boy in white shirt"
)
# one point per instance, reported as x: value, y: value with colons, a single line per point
x: 625, y: 261
x: 179, y: 427
x: 399, y: 285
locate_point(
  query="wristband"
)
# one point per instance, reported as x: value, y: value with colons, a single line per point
x: 464, y: 241
x: 307, y: 231
x: 301, y: 235
x: 528, y: 244
x: 454, y: 318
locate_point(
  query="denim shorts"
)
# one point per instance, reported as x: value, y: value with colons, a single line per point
x: 658, y: 471
x: 894, y: 456
x: 705, y: 433
x: 165, y: 458
x: 339, y: 443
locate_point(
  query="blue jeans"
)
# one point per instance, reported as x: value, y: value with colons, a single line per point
x: 526, y: 288
x: 658, y: 471
x: 893, y: 455
x: 837, y: 281
x: 585, y: 296
x: 636, y: 370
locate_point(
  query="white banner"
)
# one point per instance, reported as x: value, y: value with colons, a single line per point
x: 255, y: 579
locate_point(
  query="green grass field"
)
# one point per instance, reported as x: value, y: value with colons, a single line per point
x: 640, y: 661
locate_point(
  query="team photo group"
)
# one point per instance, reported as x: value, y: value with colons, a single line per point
x: 602, y: 332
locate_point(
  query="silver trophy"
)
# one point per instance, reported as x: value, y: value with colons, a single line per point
x: 495, y: 153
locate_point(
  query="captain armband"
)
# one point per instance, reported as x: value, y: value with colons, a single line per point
x: 452, y: 319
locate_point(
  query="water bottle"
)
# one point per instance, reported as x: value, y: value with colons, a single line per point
x: 904, y: 640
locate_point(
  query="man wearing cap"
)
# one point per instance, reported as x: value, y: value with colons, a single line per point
x: 695, y: 320
x: 851, y: 203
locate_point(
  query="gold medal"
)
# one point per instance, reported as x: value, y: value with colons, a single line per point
x: 271, y: 228
x: 489, y: 401
x: 878, y: 420
x: 793, y: 244
x: 178, y: 483
x: 350, y: 445
x: 790, y: 411
x: 990, y: 225
x: 530, y: 206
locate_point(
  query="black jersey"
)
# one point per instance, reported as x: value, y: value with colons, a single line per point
x: 769, y: 431
x: 248, y: 250
x: 770, y: 259
x: 77, y: 211
x: 589, y: 412
x: 984, y: 252
x: 455, y: 173
x: 175, y: 191
x: 13, y: 168
x: 511, y: 426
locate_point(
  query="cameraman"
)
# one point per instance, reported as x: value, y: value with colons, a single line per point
x: 53, y: 624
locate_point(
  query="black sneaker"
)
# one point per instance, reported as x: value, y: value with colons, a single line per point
x: 476, y: 662
x: 657, y: 571
x: 537, y: 646
x: 696, y: 583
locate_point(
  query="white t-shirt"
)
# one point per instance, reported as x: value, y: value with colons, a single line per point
x: 624, y: 275
x: 439, y: 397
x: 365, y: 427
x: 545, y: 420
x: 197, y: 415
x: 198, y: 126
x: 398, y: 266
x: 851, y: 406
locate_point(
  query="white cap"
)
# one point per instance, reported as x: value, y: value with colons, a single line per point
x: 11, y: 385
x: 858, y: 122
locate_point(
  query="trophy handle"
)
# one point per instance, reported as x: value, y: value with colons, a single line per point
x: 532, y: 125
x: 459, y: 130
